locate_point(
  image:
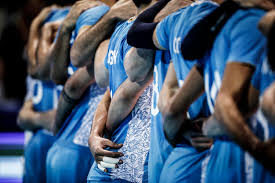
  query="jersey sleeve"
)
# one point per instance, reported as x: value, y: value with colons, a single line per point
x: 90, y: 17
x: 163, y: 31
x: 247, y: 43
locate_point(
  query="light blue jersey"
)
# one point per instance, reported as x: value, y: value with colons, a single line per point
x: 159, y: 146
x: 262, y: 79
x: 87, y: 18
x: 133, y: 132
x: 44, y: 97
x: 69, y: 159
x: 118, y: 48
x: 170, y: 33
x: 239, y: 41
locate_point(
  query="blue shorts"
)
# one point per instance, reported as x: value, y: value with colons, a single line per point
x: 225, y: 163
x: 184, y: 164
x: 67, y: 161
x: 35, y: 157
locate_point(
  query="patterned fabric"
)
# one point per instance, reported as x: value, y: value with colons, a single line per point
x: 136, y: 144
x: 82, y: 135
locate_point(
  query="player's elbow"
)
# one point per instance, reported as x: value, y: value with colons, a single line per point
x: 135, y: 76
x: 74, y: 89
x: 167, y: 108
x: 136, y: 73
x: 23, y: 122
x: 224, y: 104
x: 224, y: 101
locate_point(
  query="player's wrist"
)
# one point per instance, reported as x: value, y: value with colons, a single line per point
x: 96, y: 133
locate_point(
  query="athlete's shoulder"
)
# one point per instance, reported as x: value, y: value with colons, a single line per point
x: 90, y: 16
x: 93, y: 12
x: 250, y: 17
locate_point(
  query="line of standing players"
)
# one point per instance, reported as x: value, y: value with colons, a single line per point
x: 151, y: 91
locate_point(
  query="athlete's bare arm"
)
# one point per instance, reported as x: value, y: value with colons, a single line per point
x: 266, y: 22
x: 101, y: 72
x: 169, y: 88
x: 124, y: 100
x: 212, y: 127
x: 138, y: 63
x: 84, y: 47
x: 28, y: 119
x: 74, y: 88
x: 177, y: 101
x: 34, y: 37
x: 228, y: 113
x: 48, y: 33
x: 236, y: 79
x: 97, y: 142
x: 268, y: 103
x: 77, y: 84
x: 59, y: 54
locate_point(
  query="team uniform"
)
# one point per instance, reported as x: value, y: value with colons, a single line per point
x: 183, y: 161
x: 133, y: 132
x: 44, y: 95
x: 239, y: 41
x: 261, y: 80
x: 159, y: 147
x: 69, y: 159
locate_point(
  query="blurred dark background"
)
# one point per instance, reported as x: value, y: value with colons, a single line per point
x: 15, y: 21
